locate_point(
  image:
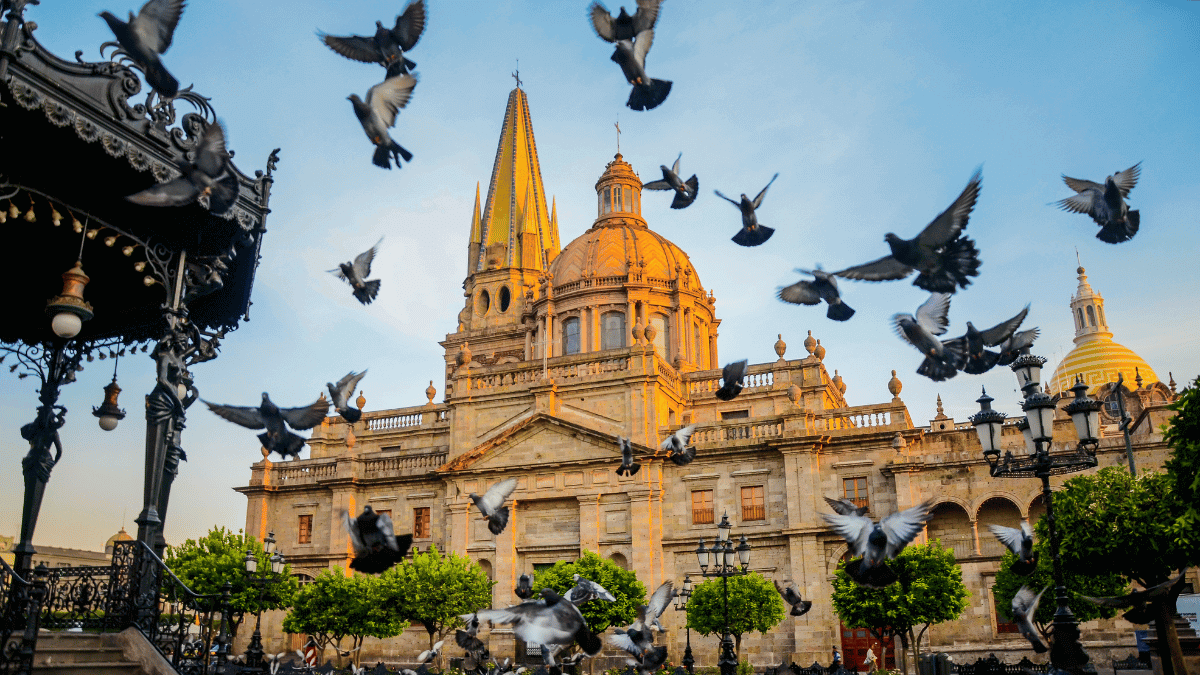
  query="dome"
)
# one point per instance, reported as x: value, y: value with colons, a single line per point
x: 120, y: 536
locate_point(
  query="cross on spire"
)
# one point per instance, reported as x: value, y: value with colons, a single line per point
x: 618, y: 126
x: 517, y: 74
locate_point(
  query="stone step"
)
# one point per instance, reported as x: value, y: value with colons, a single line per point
x: 47, y: 654
x: 93, y: 668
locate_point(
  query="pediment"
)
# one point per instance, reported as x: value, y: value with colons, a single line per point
x: 539, y: 441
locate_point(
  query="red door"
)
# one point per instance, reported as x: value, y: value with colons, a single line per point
x: 856, y: 641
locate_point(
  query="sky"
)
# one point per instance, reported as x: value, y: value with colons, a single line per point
x: 873, y: 114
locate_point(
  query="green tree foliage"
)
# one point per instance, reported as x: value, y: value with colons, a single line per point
x: 334, y: 607
x: 623, y: 584
x: 206, y: 564
x: 433, y: 590
x: 1095, y: 585
x: 929, y: 591
x: 1183, y: 468
x: 754, y: 605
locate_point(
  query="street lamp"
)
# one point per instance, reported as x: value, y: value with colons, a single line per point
x: 1038, y: 429
x: 681, y: 601
x: 254, y: 651
x: 725, y: 561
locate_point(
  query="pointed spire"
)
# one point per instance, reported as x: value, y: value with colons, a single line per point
x: 554, y: 245
x: 1087, y: 309
x: 474, y: 246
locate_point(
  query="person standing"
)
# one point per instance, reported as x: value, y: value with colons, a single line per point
x: 837, y: 661
x: 870, y: 660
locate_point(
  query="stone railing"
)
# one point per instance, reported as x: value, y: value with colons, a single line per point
x: 295, y: 473
x: 593, y: 282
x: 403, y: 418
x: 759, y: 377
x: 722, y: 432
x: 560, y: 368
x: 666, y: 372
x: 404, y: 465
x: 861, y: 419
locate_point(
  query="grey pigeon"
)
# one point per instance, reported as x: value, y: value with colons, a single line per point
x: 942, y: 256
x: 524, y: 589
x: 822, y: 287
x: 1020, y: 542
x: 210, y: 179
x: 677, y: 448
x: 635, y: 640
x: 429, y: 655
x: 648, y: 93
x: 356, y: 272
x: 659, y: 601
x: 378, y: 114
x: 147, y: 35
x: 387, y: 46
x: 976, y: 359
x: 340, y: 395
x: 550, y: 621
x: 942, y: 359
x: 624, y: 26
x: 628, y: 466
x: 732, y: 376
x: 476, y: 650
x: 491, y: 504
x: 1024, y: 607
x: 376, y: 546
x: 845, y: 507
x: 752, y: 233
x: 1146, y: 603
x: 1106, y: 204
x: 878, y: 542
x: 586, y: 590
x: 799, y: 605
x: 653, y: 660
x: 275, y: 420
x: 685, y: 191
x: 1017, y: 344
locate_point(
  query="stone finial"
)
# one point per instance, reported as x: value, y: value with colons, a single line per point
x: 639, y: 332
x: 1137, y: 377
x: 1171, y: 384
x: 265, y: 453
x: 837, y: 382
x: 361, y: 401
x: 650, y: 332
x: 430, y: 392
x: 898, y: 442
x: 810, y: 343
x: 940, y: 410
x: 780, y: 346
x: 350, y: 438
x: 895, y: 385
x: 464, y: 355
x: 819, y: 351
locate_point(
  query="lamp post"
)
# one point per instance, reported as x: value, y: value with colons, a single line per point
x: 1066, y: 652
x: 681, y: 601
x: 254, y: 651
x: 725, y: 561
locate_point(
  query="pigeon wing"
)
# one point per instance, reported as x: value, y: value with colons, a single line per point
x: 243, y: 415
x: 663, y: 595
x: 356, y: 541
x: 388, y: 97
x: 353, y: 47
x: 362, y: 263
x: 854, y: 529
x: 933, y: 314
x: 1080, y: 203
x: 496, y: 495
x: 1009, y: 536
x: 657, y: 185
x: 1080, y: 185
x: 602, y: 22
x: 155, y: 23
x: 621, y: 641
x: 641, y: 46
x: 800, y: 293
x: 388, y: 530
x: 211, y: 155
x: 842, y: 507
x: 759, y: 198
x: 306, y: 417
x: 685, y: 433
x: 178, y: 192
x: 953, y: 220
x: 410, y: 25
x: 645, y: 16
x: 886, y: 268
x: 1128, y: 178
x: 1001, y: 332
x: 734, y: 372
x: 903, y: 527
x: 675, y: 167
x: 349, y: 383
x: 731, y: 201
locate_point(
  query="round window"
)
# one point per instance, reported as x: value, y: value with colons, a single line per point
x: 485, y: 301
x: 505, y: 298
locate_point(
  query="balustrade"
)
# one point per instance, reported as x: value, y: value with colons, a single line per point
x: 403, y: 465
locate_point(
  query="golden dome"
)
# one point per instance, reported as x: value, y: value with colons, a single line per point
x: 120, y: 536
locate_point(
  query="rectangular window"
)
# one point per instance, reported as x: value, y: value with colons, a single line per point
x: 384, y: 512
x: 618, y: 203
x: 421, y: 522
x: 855, y: 490
x: 612, y: 335
x: 607, y: 201
x: 626, y: 201
x: 570, y: 336
x: 753, y: 505
x: 702, y: 507
x: 304, y: 530
x: 735, y: 414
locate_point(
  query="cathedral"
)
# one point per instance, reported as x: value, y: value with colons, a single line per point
x: 559, y: 350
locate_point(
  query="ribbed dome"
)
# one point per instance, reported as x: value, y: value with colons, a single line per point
x: 1099, y: 361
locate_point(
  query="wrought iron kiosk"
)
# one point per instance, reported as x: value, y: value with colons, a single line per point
x: 76, y: 138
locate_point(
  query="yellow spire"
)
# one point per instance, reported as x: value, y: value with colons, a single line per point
x: 554, y: 245
x: 516, y: 201
x: 473, y: 247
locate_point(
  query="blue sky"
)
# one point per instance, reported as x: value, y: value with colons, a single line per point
x: 874, y: 115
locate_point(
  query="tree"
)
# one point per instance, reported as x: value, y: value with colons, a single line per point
x: 754, y: 605
x: 433, y: 590
x: 1183, y: 435
x: 623, y: 584
x: 335, y: 606
x: 205, y: 565
x: 929, y: 590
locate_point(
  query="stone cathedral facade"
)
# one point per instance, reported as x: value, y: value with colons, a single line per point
x: 560, y: 350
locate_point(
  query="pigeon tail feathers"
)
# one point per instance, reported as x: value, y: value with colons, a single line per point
x: 754, y: 237
x: 649, y: 96
x: 498, y: 520
x: 382, y: 157
x: 367, y: 293
x: 630, y: 470
x: 957, y: 260
x: 1116, y: 233
x: 163, y: 82
x: 875, y: 576
x: 937, y: 369
x: 839, y: 311
x: 588, y: 641
x: 977, y: 365
x: 351, y: 415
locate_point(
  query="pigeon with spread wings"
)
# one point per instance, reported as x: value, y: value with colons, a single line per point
x: 1145, y: 604
x: 942, y: 359
x: 799, y: 605
x: 676, y: 445
x: 1020, y: 542
x: 550, y: 621
x: 822, y: 287
x: 752, y: 233
x: 340, y: 395
x: 209, y: 180
x: 1024, y: 607
x: 628, y: 466
x: 648, y: 93
x: 373, y: 537
x: 276, y: 421
x: 977, y: 359
x: 878, y: 542
x: 623, y: 26
x: 378, y: 114
x: 356, y: 272
x: 1105, y: 204
x: 685, y: 190
x: 388, y: 45
x: 491, y: 504
x: 147, y: 35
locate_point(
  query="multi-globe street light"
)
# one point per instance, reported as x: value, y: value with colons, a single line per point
x: 681, y: 602
x: 725, y: 561
x: 260, y: 579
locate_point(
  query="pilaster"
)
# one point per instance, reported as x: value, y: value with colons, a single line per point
x: 589, y: 523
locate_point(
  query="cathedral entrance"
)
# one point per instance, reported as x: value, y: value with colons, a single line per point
x: 856, y: 641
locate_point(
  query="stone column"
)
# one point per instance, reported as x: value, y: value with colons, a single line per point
x: 641, y: 528
x: 505, y: 571
x: 589, y: 523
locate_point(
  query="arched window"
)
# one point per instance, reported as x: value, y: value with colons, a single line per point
x: 1091, y: 315
x: 1100, y: 310
x: 607, y: 208
x: 612, y: 330
x: 662, y: 335
x: 570, y: 336
x: 1079, y: 312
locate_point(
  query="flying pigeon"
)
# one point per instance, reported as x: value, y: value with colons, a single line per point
x: 731, y: 380
x: 1106, y: 204
x: 942, y: 359
x: 822, y: 287
x: 634, y: 639
x: 976, y: 359
x: 845, y: 507
x: 586, y: 589
x: 685, y: 191
x: 524, y: 589
x: 491, y: 504
x: 429, y: 655
x: 275, y: 420
x: 146, y: 36
x: 388, y: 45
x: 878, y: 542
x: 652, y: 661
x: 1145, y: 604
x: 340, y: 395
x: 628, y: 466
x: 1017, y: 344
x: 378, y: 114
x: 659, y: 601
x: 550, y: 621
x: 1020, y: 542
x: 376, y: 546
x: 677, y: 447
x: 476, y: 650
x: 274, y: 662
x: 751, y: 234
x: 648, y: 93
x: 624, y: 27
x: 943, y: 257
x: 1024, y: 607
x: 799, y: 605
x: 209, y: 180
x: 355, y: 273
